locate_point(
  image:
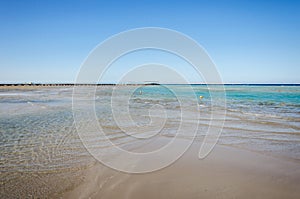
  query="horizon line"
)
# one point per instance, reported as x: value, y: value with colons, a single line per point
x: 146, y: 83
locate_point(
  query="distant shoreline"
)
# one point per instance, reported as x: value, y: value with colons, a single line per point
x: 131, y: 84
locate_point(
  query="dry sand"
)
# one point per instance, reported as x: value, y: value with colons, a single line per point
x: 226, y: 173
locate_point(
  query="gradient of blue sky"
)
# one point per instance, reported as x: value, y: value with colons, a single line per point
x: 250, y: 41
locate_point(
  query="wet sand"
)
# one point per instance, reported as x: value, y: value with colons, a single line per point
x: 42, y: 160
x: 226, y: 173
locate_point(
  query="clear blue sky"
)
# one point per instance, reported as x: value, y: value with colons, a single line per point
x: 250, y: 41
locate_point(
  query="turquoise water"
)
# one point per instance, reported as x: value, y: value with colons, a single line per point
x: 38, y: 136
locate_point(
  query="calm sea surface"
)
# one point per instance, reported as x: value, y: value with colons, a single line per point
x: 42, y: 154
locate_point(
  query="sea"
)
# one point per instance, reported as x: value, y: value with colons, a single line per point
x: 42, y: 153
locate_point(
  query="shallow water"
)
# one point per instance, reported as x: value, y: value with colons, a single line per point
x: 40, y: 147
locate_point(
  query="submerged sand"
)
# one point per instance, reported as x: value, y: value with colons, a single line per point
x: 226, y: 173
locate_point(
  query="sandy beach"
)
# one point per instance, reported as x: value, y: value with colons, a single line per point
x: 257, y: 155
x: 226, y: 173
x: 150, y: 99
